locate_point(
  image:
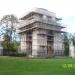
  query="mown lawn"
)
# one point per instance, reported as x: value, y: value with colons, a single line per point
x: 22, y: 66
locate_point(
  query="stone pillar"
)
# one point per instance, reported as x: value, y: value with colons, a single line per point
x: 23, y: 44
x: 34, y: 44
x: 71, y: 50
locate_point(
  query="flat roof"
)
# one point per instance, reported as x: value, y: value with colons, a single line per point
x: 39, y: 11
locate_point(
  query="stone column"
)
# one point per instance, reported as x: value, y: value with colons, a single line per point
x: 71, y: 50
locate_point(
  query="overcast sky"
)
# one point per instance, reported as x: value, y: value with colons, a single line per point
x: 63, y: 8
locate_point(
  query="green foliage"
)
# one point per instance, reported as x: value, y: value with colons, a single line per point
x: 66, y: 44
x: 6, y: 42
x: 16, y: 45
x: 73, y: 38
x: 10, y: 45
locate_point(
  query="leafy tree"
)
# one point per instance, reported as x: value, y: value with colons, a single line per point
x: 8, y: 31
x: 9, y: 24
x: 66, y: 44
x: 73, y: 39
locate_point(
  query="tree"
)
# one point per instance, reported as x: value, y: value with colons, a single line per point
x: 8, y: 31
x: 9, y: 23
x: 73, y: 39
x: 66, y: 44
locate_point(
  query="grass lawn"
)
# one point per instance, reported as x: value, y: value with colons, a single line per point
x: 22, y: 66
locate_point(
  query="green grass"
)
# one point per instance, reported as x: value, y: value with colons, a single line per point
x: 22, y: 66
